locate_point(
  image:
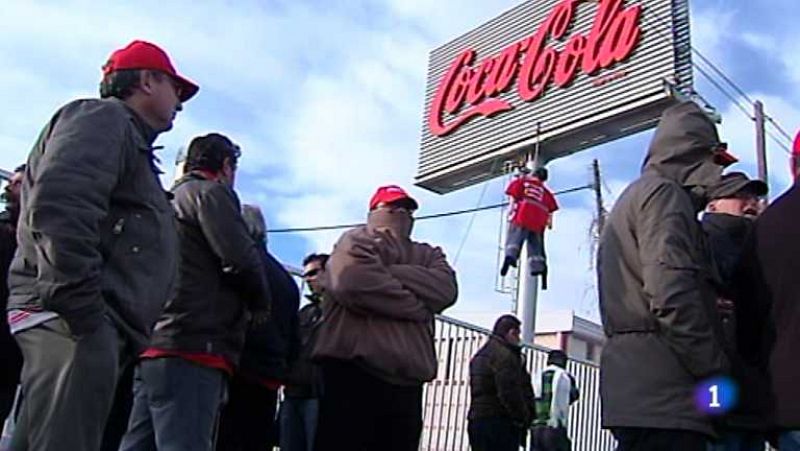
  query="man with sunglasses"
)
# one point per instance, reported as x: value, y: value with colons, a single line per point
x: 657, y: 291
x: 181, y: 379
x: 300, y: 408
x: 97, y: 252
x: 727, y: 223
x: 375, y: 344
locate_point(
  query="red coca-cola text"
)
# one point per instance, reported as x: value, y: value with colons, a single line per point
x: 467, y: 91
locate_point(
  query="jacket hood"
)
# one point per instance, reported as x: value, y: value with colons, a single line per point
x: 682, y: 148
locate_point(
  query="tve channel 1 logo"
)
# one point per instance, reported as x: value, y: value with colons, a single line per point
x: 716, y: 396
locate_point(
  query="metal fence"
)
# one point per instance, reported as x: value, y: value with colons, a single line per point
x: 447, y: 398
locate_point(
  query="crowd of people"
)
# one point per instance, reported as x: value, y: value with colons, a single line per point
x: 684, y: 301
x: 148, y: 319
x: 144, y: 319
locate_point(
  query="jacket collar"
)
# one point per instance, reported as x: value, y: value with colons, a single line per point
x: 515, y: 350
x: 148, y: 133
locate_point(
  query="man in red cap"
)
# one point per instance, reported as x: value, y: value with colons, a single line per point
x: 97, y: 253
x: 532, y: 208
x: 381, y: 291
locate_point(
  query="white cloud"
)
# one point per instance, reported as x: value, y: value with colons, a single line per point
x: 327, y: 105
x: 739, y: 131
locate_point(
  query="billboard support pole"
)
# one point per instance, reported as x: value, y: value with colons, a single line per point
x: 761, y: 140
x: 528, y: 285
x: 527, y: 294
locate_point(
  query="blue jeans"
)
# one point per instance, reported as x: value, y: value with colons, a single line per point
x: 733, y: 440
x: 298, y: 423
x: 175, y: 406
x: 789, y: 441
x: 516, y: 237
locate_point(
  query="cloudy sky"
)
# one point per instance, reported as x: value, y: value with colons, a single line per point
x: 326, y: 100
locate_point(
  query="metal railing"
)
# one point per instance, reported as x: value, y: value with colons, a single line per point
x: 446, y: 399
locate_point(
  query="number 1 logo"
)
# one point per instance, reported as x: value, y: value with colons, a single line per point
x: 714, y: 404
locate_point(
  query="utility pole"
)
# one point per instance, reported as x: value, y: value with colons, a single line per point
x: 598, y: 196
x: 761, y: 140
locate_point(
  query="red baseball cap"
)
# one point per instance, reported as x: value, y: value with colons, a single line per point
x: 391, y: 193
x: 721, y: 155
x: 146, y: 55
x: 796, y: 156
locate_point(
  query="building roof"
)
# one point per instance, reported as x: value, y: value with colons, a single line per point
x: 568, y: 321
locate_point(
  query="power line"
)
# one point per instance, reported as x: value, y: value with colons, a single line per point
x: 419, y: 218
x: 780, y: 129
x: 724, y: 91
x: 713, y: 66
x: 723, y: 75
x: 471, y: 221
x: 738, y: 90
x: 780, y: 143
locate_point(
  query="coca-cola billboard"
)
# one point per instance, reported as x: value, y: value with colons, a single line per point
x: 580, y: 72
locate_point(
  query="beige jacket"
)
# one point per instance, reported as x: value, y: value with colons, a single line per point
x: 381, y: 294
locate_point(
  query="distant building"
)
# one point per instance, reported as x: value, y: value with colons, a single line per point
x: 580, y: 338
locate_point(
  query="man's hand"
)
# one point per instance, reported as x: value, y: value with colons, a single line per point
x: 726, y: 307
x: 260, y: 317
x: 387, y: 246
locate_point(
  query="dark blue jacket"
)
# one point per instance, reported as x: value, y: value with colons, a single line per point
x: 270, y: 347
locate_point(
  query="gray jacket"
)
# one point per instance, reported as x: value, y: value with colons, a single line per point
x: 96, y: 232
x: 657, y: 285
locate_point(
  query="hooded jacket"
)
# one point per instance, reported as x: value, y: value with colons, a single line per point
x: 657, y: 284
x: 381, y: 293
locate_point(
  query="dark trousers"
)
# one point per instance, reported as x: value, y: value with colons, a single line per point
x: 359, y: 412
x: 298, y: 423
x: 117, y: 422
x: 647, y: 439
x: 738, y: 440
x: 68, y: 387
x: 248, y: 419
x: 175, y: 406
x: 789, y: 441
x: 551, y: 439
x: 7, y: 395
x: 494, y: 434
x: 516, y: 237
x: 10, y: 371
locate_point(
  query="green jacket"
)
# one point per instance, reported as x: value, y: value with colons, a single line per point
x: 657, y: 284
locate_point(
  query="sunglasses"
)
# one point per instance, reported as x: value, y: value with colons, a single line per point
x: 311, y: 273
x: 395, y: 207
